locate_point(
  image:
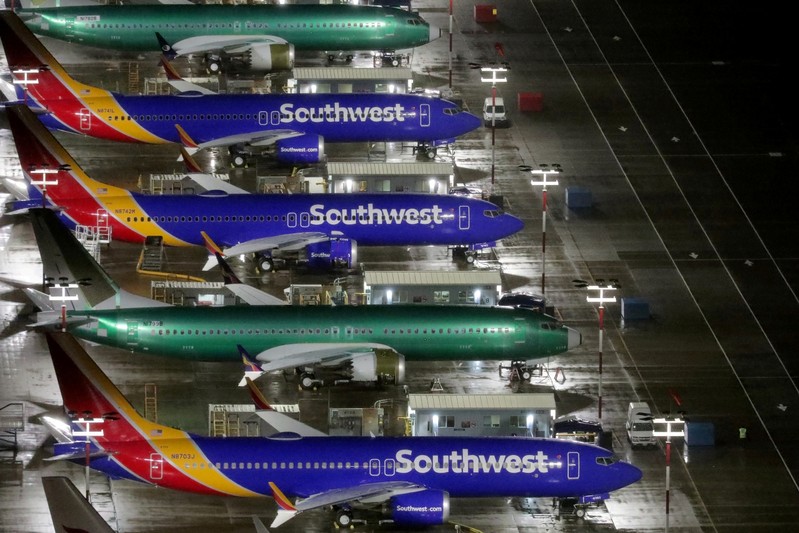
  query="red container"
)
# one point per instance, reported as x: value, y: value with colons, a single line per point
x: 531, y: 101
x: 485, y: 13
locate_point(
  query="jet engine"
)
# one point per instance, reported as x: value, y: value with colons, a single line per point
x: 306, y: 149
x: 382, y: 366
x: 335, y: 253
x: 270, y: 57
x: 425, y: 508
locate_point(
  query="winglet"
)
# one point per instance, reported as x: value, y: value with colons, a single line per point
x: 186, y: 140
x: 257, y: 396
x: 191, y: 164
x: 217, y: 257
x: 210, y: 245
x: 252, y: 370
x: 171, y: 73
x: 287, y: 509
x: 166, y: 48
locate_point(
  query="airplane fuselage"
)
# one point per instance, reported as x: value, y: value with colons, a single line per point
x: 306, y: 27
x: 368, y: 219
x: 419, y: 332
x: 335, y: 117
x: 460, y: 466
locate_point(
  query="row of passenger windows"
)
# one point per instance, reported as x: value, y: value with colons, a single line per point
x: 291, y: 465
x: 231, y: 116
x: 327, y: 331
x: 230, y: 25
x: 269, y: 218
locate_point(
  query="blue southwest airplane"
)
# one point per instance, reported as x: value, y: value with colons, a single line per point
x: 295, y: 125
x: 328, y: 227
x: 411, y: 478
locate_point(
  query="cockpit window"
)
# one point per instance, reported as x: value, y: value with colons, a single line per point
x: 452, y: 111
x: 551, y: 325
x: 491, y: 213
x: 607, y: 461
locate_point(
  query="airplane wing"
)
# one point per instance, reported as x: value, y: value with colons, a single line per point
x: 287, y: 242
x: 253, y: 296
x: 256, y: 138
x: 229, y: 44
x: 211, y: 182
x: 182, y: 86
x: 368, y: 494
x: 302, y: 354
x: 280, y: 422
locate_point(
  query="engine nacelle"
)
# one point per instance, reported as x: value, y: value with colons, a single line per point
x: 270, y: 57
x: 335, y: 253
x: 301, y: 150
x: 425, y: 508
x: 384, y: 366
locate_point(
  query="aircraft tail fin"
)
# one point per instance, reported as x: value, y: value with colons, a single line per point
x: 91, y: 399
x: 38, y: 74
x: 46, y: 162
x: 69, y: 510
x: 65, y: 262
x: 176, y: 80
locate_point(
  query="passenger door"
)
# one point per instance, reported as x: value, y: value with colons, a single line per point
x: 424, y: 115
x: 464, y: 220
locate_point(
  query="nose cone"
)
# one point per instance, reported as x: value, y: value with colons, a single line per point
x: 575, y: 338
x: 627, y: 474
x: 435, y: 33
x: 469, y: 122
x: 511, y: 224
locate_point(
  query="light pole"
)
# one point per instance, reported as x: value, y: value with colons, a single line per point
x: 674, y: 428
x: 64, y: 297
x: 543, y: 172
x: 602, y: 287
x: 492, y: 74
x: 88, y: 433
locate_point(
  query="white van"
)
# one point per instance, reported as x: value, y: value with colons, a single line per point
x: 640, y: 430
x: 494, y: 108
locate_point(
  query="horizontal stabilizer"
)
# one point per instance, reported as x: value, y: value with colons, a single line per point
x: 77, y: 455
x: 39, y: 299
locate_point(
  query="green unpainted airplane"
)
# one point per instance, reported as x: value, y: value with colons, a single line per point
x: 368, y: 343
x: 259, y: 37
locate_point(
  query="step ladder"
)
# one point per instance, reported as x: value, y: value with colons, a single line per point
x: 151, y: 402
x: 153, y: 254
x: 134, y: 82
x: 219, y: 423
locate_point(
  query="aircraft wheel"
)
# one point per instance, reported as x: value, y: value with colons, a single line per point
x: 238, y: 160
x: 394, y: 62
x: 526, y: 375
x: 431, y: 152
x: 579, y: 512
x: 331, y: 57
x: 308, y: 382
x: 350, y: 58
x: 344, y: 518
x: 265, y: 264
x: 470, y: 258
